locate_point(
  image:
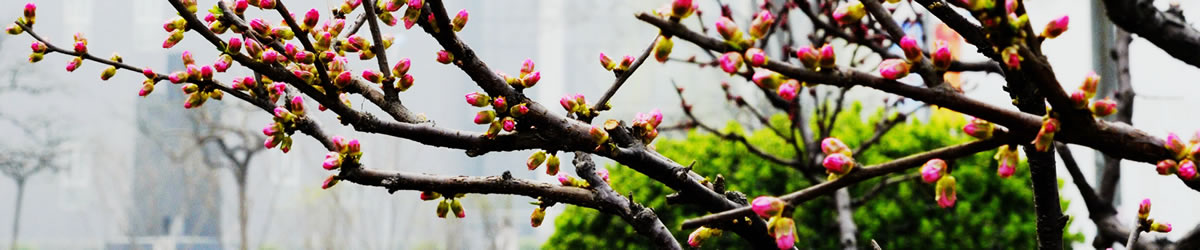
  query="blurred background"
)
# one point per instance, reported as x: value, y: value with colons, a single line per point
x: 90, y: 165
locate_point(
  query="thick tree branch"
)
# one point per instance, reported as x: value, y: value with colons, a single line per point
x: 1170, y: 33
x: 641, y: 218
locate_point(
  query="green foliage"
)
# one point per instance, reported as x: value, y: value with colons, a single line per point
x: 991, y: 212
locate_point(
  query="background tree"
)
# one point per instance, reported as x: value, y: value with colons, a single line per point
x: 299, y: 60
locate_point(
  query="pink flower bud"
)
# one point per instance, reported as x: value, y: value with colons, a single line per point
x: 333, y: 160
x: 14, y: 29
x: 38, y: 47
x: 784, y: 231
x: 838, y: 164
x: 761, y: 24
x: 1160, y: 227
x: 402, y: 67
x: 222, y: 64
x: 193, y: 72
x: 311, y: 17
x: 785, y: 241
x: 535, y: 160
x: 253, y: 48
x: 1045, y: 136
x: 1056, y: 27
x: 445, y: 57
x: 210, y: 18
x: 568, y: 103
x: 149, y: 73
x: 499, y: 103
x: 353, y: 146
x: 478, y: 99
x: 565, y: 179
x: 177, y: 77
x: 206, y: 72
x: 1090, y: 83
x: 147, y: 87
x: 833, y: 145
x: 240, y: 6
x: 329, y: 182
x: 828, y: 58
x: 1166, y: 167
x: 606, y: 62
x: 1105, y: 107
x: 260, y: 26
x: 912, y: 50
x: 979, y: 128
x: 343, y: 79
x: 662, y: 49
x: 767, y: 206
x: 485, y: 117
x: 933, y: 170
x: 1144, y: 209
x: 30, y: 12
x: 788, y: 90
x: 626, y: 62
x: 266, y: 4
x: 74, y: 63
x: 272, y: 56
x: 1187, y: 170
x: 460, y: 20
x: 731, y: 62
x: 696, y: 238
x: 941, y: 55
x: 599, y: 135
x: 173, y: 39
x: 1009, y: 158
x: 681, y: 9
x: 531, y: 79
x: 756, y: 57
x: 509, y: 124
x: 1175, y: 144
x: 80, y: 48
x: 271, y: 141
x: 190, y: 88
x: 946, y: 192
x: 602, y: 173
x: 518, y: 110
x: 1079, y: 99
x: 767, y: 79
x: 552, y: 164
x: 1005, y: 170
x: 297, y: 105
x: 271, y: 129
x: 850, y: 12
x: 728, y: 29
x: 371, y: 76
x: 893, y: 69
x: 405, y: 82
x: 339, y: 143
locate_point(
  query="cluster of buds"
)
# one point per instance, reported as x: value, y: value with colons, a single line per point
x: 779, y: 225
x: 29, y: 17
x: 39, y: 51
x: 1080, y: 98
x: 615, y: 66
x: 575, y: 104
x: 449, y: 203
x: 501, y: 117
x: 850, y: 12
x: 346, y: 153
x: 645, y: 125
x: 279, y: 131
x: 662, y: 48
x: 838, y: 157
x: 1185, y: 155
x: 936, y: 171
x: 732, y: 34
x: 1045, y: 136
x: 1147, y: 224
x: 526, y: 79
x: 979, y: 128
x: 537, y: 158
x: 197, y: 95
x: 148, y: 84
x: 386, y: 7
x: 1009, y: 159
x: 817, y: 59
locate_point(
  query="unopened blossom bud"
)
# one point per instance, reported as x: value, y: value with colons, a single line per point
x: 606, y: 62
x: 893, y: 69
x: 552, y: 164
x: 38, y: 47
x: 30, y: 13
x: 1012, y: 57
x: 14, y: 29
x: 193, y: 72
x: 1008, y: 158
x: 568, y: 103
x: 946, y: 192
x: 329, y: 182
x: 206, y: 72
x: 1079, y: 99
x: 662, y: 48
x: 728, y: 29
x: 343, y: 79
x: 531, y: 79
x: 535, y: 160
x: 838, y: 164
x: 499, y: 103
x: 445, y: 57
x: 567, y: 180
x: 190, y: 88
x: 333, y: 160
x: 933, y: 170
x: 478, y: 99
x: 731, y: 62
x: 297, y: 105
x: 223, y: 63
x: 260, y: 26
x: 912, y: 50
x: 430, y: 195
x: 457, y: 208
x: 767, y: 206
x: 536, y: 218
x: 80, y: 48
x: 625, y: 63
x: 833, y: 145
x: 767, y: 79
x: 761, y: 24
x: 371, y: 76
x: 941, y: 55
x: 1160, y: 227
x: 828, y: 58
x: 849, y: 12
x: 286, y: 145
x: 978, y: 5
x: 253, y: 48
x: 599, y: 135
x: 310, y: 19
x: 809, y: 56
x: 443, y: 208
x: 1056, y: 27
x: 979, y: 128
x: 1187, y: 170
x: 108, y: 73
x: 756, y: 57
x: 1144, y: 209
x: 36, y: 57
x: 271, y: 141
x: 1045, y: 136
x: 1166, y: 167
x: 681, y: 9
x: 485, y: 117
x: 518, y: 110
x: 1175, y: 144
x: 1105, y: 107
x: 460, y: 20
x: 147, y: 87
x: 789, y: 89
x: 509, y: 124
x: 74, y: 63
x: 696, y: 238
x: 603, y: 174
x: 405, y: 82
x: 401, y: 67
x: 1090, y: 83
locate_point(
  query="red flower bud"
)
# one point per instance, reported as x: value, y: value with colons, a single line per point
x: 405, y: 82
x: 756, y: 57
x: 1105, y: 107
x: 430, y: 195
x: 149, y: 73
x: 1090, y: 83
x: 912, y: 50
x: 38, y: 47
x: 499, y: 103
x: 310, y: 18
x: 30, y: 13
x: 979, y: 128
x: 941, y: 55
x: 1166, y: 167
x: 518, y: 110
x: 266, y: 4
x: 1144, y: 209
x: 478, y: 99
x: 401, y: 67
x: 445, y: 57
x: 838, y: 164
x: 681, y: 9
x: 789, y: 90
x: 1009, y: 158
x: 74, y: 63
x: 1187, y: 170
x: 329, y: 182
x: 443, y: 207
x: 371, y: 76
x: 808, y: 56
x: 828, y: 58
x: 460, y: 20
x: 343, y: 79
x: 626, y: 62
x: 1056, y: 27
x: 833, y: 145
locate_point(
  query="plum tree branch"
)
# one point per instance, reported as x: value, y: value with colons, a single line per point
x: 1170, y: 33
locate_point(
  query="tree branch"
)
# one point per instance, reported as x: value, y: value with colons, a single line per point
x: 1172, y: 34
